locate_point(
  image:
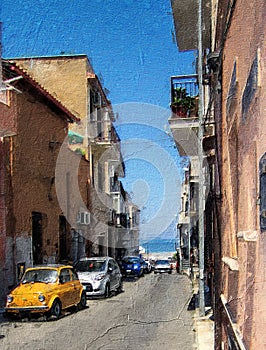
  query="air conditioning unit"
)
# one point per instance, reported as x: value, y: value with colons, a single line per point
x: 84, y: 218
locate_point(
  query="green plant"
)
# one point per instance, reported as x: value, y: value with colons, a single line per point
x: 182, y: 99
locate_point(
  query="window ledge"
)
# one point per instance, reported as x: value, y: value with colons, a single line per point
x: 248, y: 236
x: 231, y: 263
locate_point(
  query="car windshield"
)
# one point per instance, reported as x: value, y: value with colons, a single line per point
x: 90, y: 266
x: 40, y: 275
x: 160, y: 262
x: 131, y: 260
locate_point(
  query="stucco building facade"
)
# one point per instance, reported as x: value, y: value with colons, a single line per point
x: 72, y: 80
x: 34, y: 125
x: 233, y: 67
x: 240, y: 41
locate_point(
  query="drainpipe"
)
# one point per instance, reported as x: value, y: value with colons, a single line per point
x: 201, y: 174
x: 189, y: 225
x: 2, y: 214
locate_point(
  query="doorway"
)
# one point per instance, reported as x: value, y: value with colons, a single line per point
x: 63, y: 254
x: 37, y: 245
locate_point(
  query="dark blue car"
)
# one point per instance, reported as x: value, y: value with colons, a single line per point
x: 131, y: 266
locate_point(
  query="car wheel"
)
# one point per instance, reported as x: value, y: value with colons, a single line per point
x: 107, y: 291
x: 56, y: 308
x: 83, y: 301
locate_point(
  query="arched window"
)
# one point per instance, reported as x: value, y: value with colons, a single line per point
x: 263, y: 193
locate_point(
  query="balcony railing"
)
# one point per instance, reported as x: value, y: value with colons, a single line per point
x: 106, y: 135
x: 116, y: 186
x: 184, y: 96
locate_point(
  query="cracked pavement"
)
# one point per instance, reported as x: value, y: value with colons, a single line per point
x: 151, y: 313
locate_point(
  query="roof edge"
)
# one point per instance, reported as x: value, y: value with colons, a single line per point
x: 70, y: 116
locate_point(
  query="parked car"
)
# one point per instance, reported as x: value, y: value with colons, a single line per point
x: 162, y: 266
x: 132, y: 266
x: 47, y: 290
x: 149, y: 265
x: 99, y: 276
x: 146, y: 265
x: 152, y: 262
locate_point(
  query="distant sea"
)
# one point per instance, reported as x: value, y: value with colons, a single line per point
x: 159, y: 245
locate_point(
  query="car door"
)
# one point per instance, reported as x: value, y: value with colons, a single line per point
x: 66, y: 288
x: 118, y: 275
x: 76, y: 286
x: 115, y: 274
x: 111, y: 273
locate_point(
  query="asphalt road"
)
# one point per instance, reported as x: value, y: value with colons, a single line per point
x: 151, y: 313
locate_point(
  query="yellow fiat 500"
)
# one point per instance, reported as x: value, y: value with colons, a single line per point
x: 46, y: 290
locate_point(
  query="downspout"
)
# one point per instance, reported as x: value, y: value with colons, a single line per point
x: 2, y: 209
x: 201, y: 174
x: 191, y: 273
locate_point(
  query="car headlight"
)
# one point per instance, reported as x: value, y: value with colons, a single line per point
x: 136, y: 267
x: 41, y: 297
x: 9, y: 298
x: 99, y: 277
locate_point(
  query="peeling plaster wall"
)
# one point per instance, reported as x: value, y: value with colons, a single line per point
x: 23, y: 249
x: 34, y: 168
x: 7, y: 278
x: 29, y: 167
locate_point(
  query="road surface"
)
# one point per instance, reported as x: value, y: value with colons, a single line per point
x: 151, y: 313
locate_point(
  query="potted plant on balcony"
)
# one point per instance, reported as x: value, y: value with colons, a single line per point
x: 182, y: 103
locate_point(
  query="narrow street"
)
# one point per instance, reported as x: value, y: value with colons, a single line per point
x: 151, y: 313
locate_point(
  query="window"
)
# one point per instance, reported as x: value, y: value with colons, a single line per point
x: 65, y: 276
x: 113, y: 265
x: 74, y: 275
x: 251, y: 87
x: 110, y: 266
x: 83, y: 217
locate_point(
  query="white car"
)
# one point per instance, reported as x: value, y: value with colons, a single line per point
x: 149, y: 265
x: 162, y: 266
x: 99, y: 276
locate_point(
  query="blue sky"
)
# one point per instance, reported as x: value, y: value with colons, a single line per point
x: 130, y: 45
